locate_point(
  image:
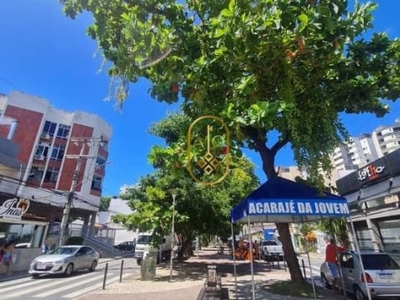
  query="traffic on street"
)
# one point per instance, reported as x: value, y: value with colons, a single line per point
x: 52, y: 287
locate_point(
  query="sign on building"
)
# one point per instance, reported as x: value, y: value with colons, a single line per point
x: 14, y: 208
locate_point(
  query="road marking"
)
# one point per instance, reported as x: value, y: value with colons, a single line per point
x: 64, y: 288
x: 12, y: 282
x: 94, y: 287
x: 34, y: 282
x: 46, y: 286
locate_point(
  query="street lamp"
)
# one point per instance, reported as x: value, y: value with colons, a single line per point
x: 174, y: 193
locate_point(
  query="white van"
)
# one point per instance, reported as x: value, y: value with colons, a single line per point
x: 143, y: 245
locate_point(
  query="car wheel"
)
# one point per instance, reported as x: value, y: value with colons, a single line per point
x: 93, y: 266
x: 69, y: 269
x: 358, y: 294
x: 325, y: 281
x: 35, y: 276
x: 139, y: 262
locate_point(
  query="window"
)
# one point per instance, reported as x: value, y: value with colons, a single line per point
x: 63, y: 131
x: 347, y: 261
x: 104, y: 143
x: 31, y: 235
x: 390, y: 232
x: 96, y: 183
x: 36, y: 173
x: 101, y: 163
x: 41, y: 152
x: 58, y: 152
x: 88, y: 250
x: 379, y: 262
x: 51, y: 175
x: 49, y: 128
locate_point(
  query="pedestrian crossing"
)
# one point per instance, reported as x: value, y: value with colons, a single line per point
x: 57, y: 288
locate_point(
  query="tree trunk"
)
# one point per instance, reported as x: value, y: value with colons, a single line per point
x: 290, y: 254
x: 268, y: 160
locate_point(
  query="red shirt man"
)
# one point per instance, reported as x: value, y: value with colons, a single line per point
x: 331, y: 260
x: 330, y: 252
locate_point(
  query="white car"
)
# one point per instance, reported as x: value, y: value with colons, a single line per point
x: 65, y: 260
x: 381, y: 277
x: 271, y: 250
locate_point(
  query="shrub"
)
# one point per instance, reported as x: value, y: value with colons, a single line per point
x: 74, y: 240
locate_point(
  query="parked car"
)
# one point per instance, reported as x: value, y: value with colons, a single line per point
x: 22, y: 245
x: 382, y: 274
x: 271, y: 249
x: 126, y: 246
x: 65, y: 260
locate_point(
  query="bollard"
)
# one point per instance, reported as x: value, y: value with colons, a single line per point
x: 105, y: 276
x: 284, y: 263
x: 120, y: 272
x: 304, y: 269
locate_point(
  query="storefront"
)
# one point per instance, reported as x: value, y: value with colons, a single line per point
x: 373, y: 194
x: 25, y: 229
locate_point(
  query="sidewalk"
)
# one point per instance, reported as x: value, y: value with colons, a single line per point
x: 189, y: 276
x: 22, y: 274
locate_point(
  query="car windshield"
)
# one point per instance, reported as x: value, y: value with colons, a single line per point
x: 64, y: 250
x: 379, y: 262
x: 144, y: 239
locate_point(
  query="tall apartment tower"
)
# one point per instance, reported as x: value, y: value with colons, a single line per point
x: 387, y: 138
x: 359, y: 151
x: 50, y: 141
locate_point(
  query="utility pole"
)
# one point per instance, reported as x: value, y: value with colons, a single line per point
x: 74, y: 183
x: 174, y: 193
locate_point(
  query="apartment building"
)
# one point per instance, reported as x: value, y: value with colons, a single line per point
x: 293, y: 171
x: 387, y: 138
x: 357, y: 152
x: 50, y: 142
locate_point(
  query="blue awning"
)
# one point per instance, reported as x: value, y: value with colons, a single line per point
x: 280, y: 200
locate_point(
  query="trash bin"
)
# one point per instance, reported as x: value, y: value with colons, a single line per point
x: 149, y: 263
x: 221, y: 249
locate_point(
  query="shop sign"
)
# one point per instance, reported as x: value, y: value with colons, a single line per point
x: 14, y: 208
x: 371, y: 172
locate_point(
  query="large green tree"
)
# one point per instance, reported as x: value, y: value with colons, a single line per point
x: 200, y: 209
x: 264, y: 66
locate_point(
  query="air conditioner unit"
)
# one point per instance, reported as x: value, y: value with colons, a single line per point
x: 45, y: 136
x: 39, y: 157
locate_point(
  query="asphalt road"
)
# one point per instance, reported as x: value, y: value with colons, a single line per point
x: 316, y: 261
x: 58, y: 287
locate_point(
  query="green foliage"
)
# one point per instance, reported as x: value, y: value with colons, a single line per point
x: 289, y: 66
x: 265, y: 66
x: 305, y: 229
x: 104, y: 203
x: 75, y: 240
x: 200, y: 210
x: 336, y: 228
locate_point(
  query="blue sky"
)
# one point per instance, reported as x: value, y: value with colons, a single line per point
x: 46, y: 54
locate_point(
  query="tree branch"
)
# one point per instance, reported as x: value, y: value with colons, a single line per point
x: 267, y: 155
x: 280, y: 144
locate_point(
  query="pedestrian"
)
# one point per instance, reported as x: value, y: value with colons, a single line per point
x: 331, y: 254
x: 7, y: 258
x: 1, y: 250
